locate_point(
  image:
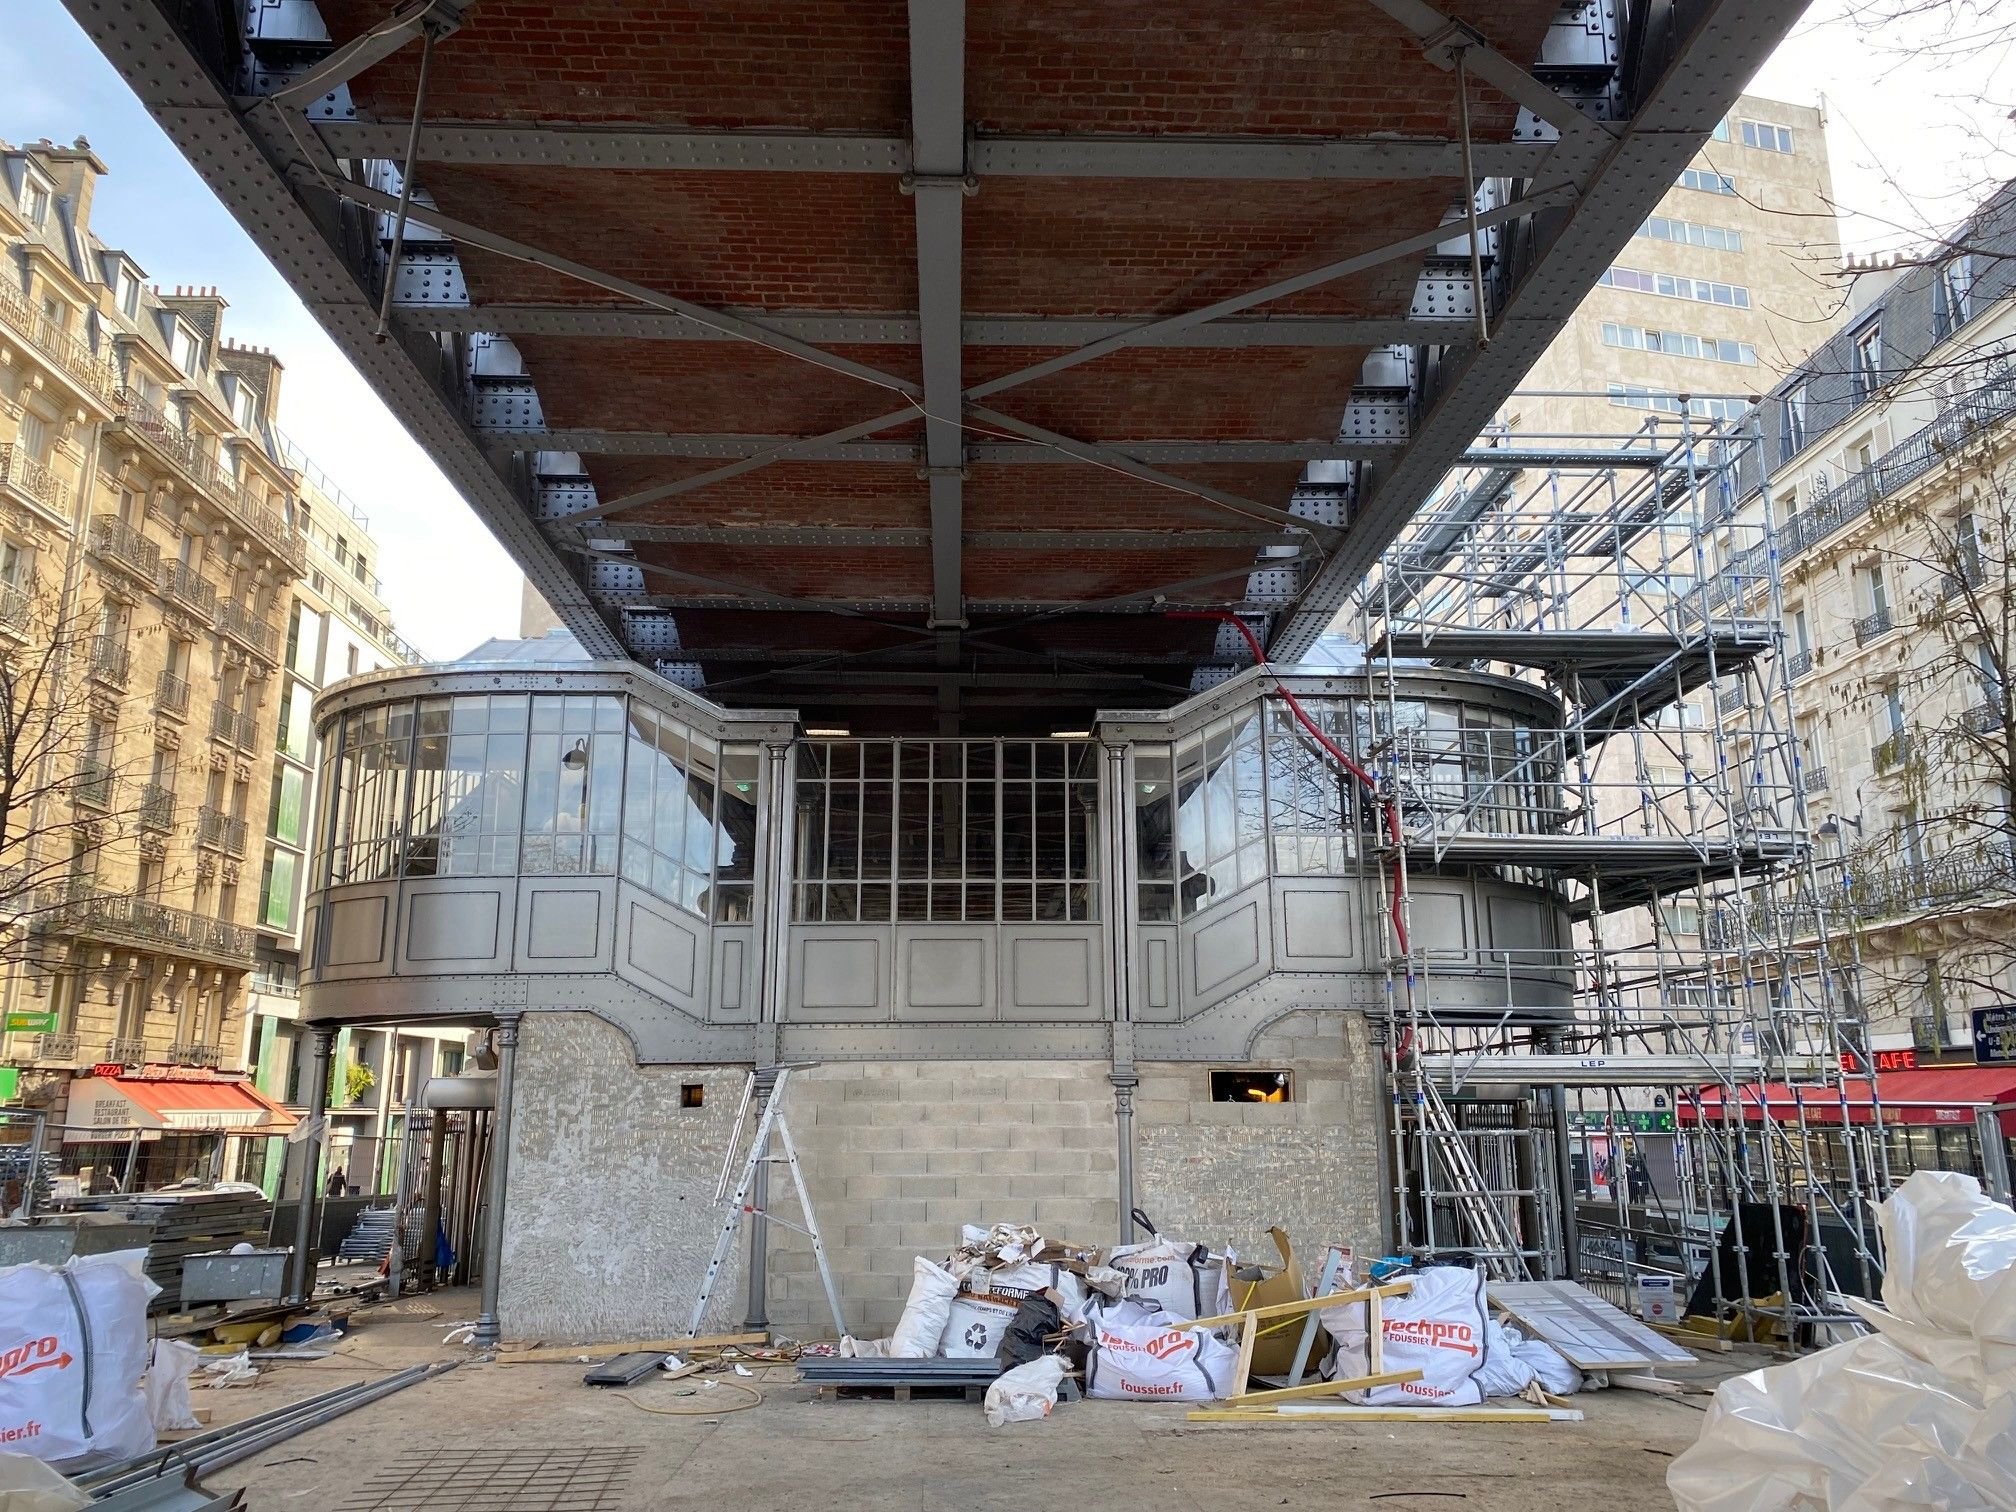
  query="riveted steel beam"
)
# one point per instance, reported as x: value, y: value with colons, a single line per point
x: 1371, y: 446
x: 427, y: 311
x: 852, y: 537
x: 1107, y: 155
x: 1702, y: 76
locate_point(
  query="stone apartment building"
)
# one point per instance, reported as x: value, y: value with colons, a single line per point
x: 148, y: 547
x: 339, y: 625
x: 1892, y: 455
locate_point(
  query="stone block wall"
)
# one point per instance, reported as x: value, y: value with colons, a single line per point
x: 609, y: 1222
x: 1224, y: 1173
x: 899, y: 1154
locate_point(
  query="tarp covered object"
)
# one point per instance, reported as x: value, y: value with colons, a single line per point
x: 1919, y: 1415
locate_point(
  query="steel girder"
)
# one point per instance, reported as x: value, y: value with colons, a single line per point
x: 1589, y: 174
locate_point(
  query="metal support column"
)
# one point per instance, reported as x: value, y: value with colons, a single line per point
x: 764, y: 1087
x: 301, y: 1267
x: 487, y: 1331
x: 1124, y: 1083
x: 430, y: 1204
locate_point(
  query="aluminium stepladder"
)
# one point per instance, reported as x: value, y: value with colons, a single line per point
x: 770, y: 1125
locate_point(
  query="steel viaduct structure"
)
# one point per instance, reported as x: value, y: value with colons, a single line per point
x: 901, y: 363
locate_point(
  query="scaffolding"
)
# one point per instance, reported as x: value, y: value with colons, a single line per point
x: 1636, y: 578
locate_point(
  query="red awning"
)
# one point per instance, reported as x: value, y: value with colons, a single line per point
x: 1928, y: 1096
x: 118, y: 1105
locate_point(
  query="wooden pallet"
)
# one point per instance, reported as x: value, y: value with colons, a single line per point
x: 897, y: 1391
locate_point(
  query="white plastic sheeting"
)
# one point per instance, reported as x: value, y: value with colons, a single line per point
x: 1025, y: 1393
x: 1919, y: 1415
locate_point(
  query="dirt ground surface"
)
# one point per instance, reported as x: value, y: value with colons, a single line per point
x: 462, y: 1439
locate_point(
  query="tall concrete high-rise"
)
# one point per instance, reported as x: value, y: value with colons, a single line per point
x: 1722, y: 291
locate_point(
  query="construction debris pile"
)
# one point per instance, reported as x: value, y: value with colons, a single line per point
x: 1028, y: 1319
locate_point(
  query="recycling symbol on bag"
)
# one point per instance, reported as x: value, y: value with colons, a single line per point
x: 976, y: 1335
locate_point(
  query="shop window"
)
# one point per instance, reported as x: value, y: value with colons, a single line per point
x: 1252, y: 1086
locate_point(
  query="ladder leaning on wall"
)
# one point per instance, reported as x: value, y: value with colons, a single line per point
x: 749, y: 1151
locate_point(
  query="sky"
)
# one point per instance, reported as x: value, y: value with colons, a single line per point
x: 1918, y: 126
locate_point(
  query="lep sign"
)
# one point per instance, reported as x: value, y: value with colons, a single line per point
x: 1995, y: 1035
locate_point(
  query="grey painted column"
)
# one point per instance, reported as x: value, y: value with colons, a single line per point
x: 430, y: 1210
x: 758, y: 1268
x: 1117, y: 831
x: 1124, y: 1083
x: 487, y: 1331
x: 301, y: 1269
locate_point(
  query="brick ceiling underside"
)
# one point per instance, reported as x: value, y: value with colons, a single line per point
x: 1033, y: 246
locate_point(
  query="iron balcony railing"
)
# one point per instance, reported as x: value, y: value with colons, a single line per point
x: 171, y: 694
x: 243, y: 625
x: 181, y: 448
x: 1729, y: 699
x: 53, y: 1047
x: 30, y: 478
x: 1893, y: 752
x: 1871, y: 625
x: 1983, y: 718
x: 109, y: 660
x: 157, y: 808
x: 220, y: 831
x: 1970, y: 575
x: 126, y: 919
x: 1800, y: 664
x: 95, y: 785
x: 193, y: 1053
x: 234, y: 728
x: 181, y: 581
x: 126, y: 1052
x: 17, y: 605
x: 1863, y: 891
x: 1814, y: 778
x: 124, y: 546
x: 76, y: 360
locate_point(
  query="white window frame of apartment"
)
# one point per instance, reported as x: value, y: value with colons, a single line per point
x: 1792, y: 418
x: 1707, y: 181
x: 1780, y: 137
x: 244, y: 404
x: 1867, y: 347
x: 1953, y: 294
x: 1872, y: 591
x: 17, y: 564
x: 1691, y: 233
x: 186, y: 349
x: 1802, y: 630
x: 1988, y: 672
x: 1721, y: 131
x: 37, y: 195
x: 127, y: 293
x: 35, y: 437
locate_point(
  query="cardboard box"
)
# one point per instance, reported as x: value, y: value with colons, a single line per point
x: 1263, y: 1286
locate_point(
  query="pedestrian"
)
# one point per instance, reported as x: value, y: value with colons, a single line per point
x: 338, y: 1184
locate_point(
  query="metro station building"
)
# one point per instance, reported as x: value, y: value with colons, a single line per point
x: 919, y: 413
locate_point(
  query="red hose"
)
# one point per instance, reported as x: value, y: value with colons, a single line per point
x: 1337, y: 754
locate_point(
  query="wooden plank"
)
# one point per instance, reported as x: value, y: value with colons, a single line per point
x: 1388, y: 1415
x: 1326, y: 1388
x: 571, y: 1353
x: 1307, y: 1304
x: 1248, y: 1332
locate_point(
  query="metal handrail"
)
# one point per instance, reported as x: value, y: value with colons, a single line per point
x: 242, y: 624
x: 33, y: 478
x: 1982, y: 718
x: 69, y: 354
x: 94, y: 785
x: 128, y: 917
x: 1893, y: 752
x: 1869, y: 892
x: 1800, y: 664
x: 180, y: 580
x: 1814, y: 778
x: 157, y: 807
x: 171, y: 693
x: 16, y: 602
x: 109, y: 660
x: 1871, y: 625
x: 220, y: 831
x: 117, y: 541
x: 239, y: 729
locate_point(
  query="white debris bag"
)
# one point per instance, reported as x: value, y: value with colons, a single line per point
x: 1025, y: 1393
x: 1919, y: 1415
x: 1439, y: 1329
x: 925, y: 1314
x: 1182, y: 1280
x: 1139, y: 1354
x: 73, y: 1346
x: 1549, y: 1366
x: 974, y: 1325
x: 167, y: 1386
x: 1505, y: 1372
